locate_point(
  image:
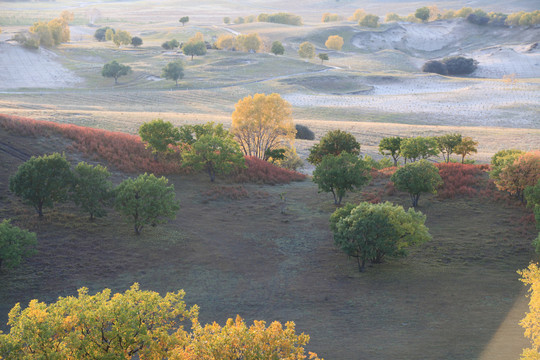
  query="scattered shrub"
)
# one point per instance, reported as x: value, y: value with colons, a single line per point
x: 478, y: 19
x: 454, y: 65
x: 262, y: 172
x: 281, y: 18
x: 459, y: 179
x: 435, y: 66
x: 304, y: 133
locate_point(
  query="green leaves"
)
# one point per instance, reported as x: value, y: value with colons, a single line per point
x: 416, y: 178
x: 373, y: 231
x: 42, y: 181
x: 15, y: 244
x: 92, y: 189
x: 173, y: 71
x: 333, y: 143
x: 158, y: 135
x: 341, y: 173
x: 115, y: 70
x: 146, y: 200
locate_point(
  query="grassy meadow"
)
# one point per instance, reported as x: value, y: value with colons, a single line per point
x: 231, y: 248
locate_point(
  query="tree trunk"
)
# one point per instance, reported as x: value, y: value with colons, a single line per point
x: 137, y: 230
x: 40, y: 209
x: 463, y: 159
x: 395, y: 161
x: 361, y: 264
x: 116, y: 80
x: 191, y: 57
x: 415, y: 198
x: 335, y: 197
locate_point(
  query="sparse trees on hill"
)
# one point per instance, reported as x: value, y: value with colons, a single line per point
x: 115, y: 70
x: 50, y: 33
x: 170, y: 45
x: 341, y: 173
x: 15, y: 245
x: 262, y: 122
x: 42, y: 181
x: 374, y: 231
x: 184, y: 20
x: 391, y: 17
x: 417, y: 178
x: 173, y: 71
x: 329, y: 17
x: 334, y: 143
x: 146, y: 200
x: 391, y: 146
x: 334, y: 42
x: 277, y: 48
x: 194, y: 48
x: 358, y: 15
x: 306, y: 50
x: 91, y: 189
x: 447, y: 144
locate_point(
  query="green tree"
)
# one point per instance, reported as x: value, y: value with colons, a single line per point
x: 115, y: 70
x: 532, y: 195
x: 184, y: 20
x: 333, y: 143
x: 146, y: 200
x: 92, y: 189
x: 466, y: 147
x: 341, y: 173
x: 277, y: 48
x: 121, y: 37
x: 306, y: 50
x: 323, y: 57
x: 227, y: 20
x: 42, y: 181
x: 215, y: 154
x: 422, y: 13
x: 369, y: 20
x: 189, y: 134
x: 501, y: 159
x: 99, y: 35
x: 418, y: 148
x: 391, y: 146
x: 447, y: 143
x: 417, y: 178
x: 194, y: 48
x: 136, y: 41
x: 15, y: 244
x: 159, y: 135
x: 173, y: 71
x: 373, y: 231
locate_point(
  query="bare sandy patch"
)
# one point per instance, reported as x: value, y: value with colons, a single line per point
x: 24, y: 68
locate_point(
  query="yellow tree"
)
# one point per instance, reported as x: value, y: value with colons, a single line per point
x: 225, y: 42
x: 531, y: 321
x: 358, y: 15
x: 334, y: 42
x: 261, y: 123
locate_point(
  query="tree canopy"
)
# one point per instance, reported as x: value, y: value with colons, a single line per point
x: 115, y: 70
x: 173, y: 71
x: 121, y: 37
x: 333, y: 143
x: 42, y: 181
x: 262, y: 122
x: 146, y: 200
x: 306, y: 50
x: 277, y: 48
x: 391, y: 146
x: 136, y: 41
x: 184, y: 20
x: 92, y: 189
x: 341, y: 173
x: 334, y: 42
x: 15, y: 245
x: 323, y: 57
x: 447, y: 143
x: 422, y: 13
x: 193, y: 48
x: 418, y: 147
x: 369, y: 20
x: 249, y: 42
x: 373, y: 231
x: 466, y: 147
x: 417, y: 178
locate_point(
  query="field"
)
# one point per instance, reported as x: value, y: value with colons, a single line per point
x: 456, y: 297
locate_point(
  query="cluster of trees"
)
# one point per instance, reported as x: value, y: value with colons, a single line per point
x: 246, y: 42
x: 365, y: 19
x: 118, y: 37
x: 453, y: 65
x: 140, y: 324
x: 531, y: 276
x: 306, y: 50
x: 50, y: 33
x: 45, y: 180
x: 412, y: 149
x: 195, y: 46
x: 329, y: 17
x: 279, y: 18
x: 172, y: 71
x: 475, y: 16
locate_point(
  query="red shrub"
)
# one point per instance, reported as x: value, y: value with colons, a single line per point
x: 124, y: 151
x: 385, y: 173
x: 459, y: 179
x: 260, y: 171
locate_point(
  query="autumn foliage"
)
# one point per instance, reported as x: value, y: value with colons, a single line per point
x: 531, y: 322
x: 124, y: 151
x: 460, y: 179
x: 521, y: 173
x: 263, y: 172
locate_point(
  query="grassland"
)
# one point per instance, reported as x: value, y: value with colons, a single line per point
x: 450, y: 299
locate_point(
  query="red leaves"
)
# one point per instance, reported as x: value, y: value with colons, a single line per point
x: 260, y: 171
x: 459, y: 179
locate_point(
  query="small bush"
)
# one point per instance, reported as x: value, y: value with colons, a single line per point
x: 304, y: 133
x: 262, y: 172
x: 477, y: 19
x: 454, y: 65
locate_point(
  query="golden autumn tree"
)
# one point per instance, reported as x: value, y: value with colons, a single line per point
x: 334, y: 42
x: 261, y: 123
x: 531, y: 321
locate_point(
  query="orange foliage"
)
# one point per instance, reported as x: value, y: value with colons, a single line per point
x: 459, y: 179
x: 523, y: 172
x: 260, y: 171
x: 124, y: 151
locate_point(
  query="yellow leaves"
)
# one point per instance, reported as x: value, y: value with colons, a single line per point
x: 531, y: 321
x: 334, y: 42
